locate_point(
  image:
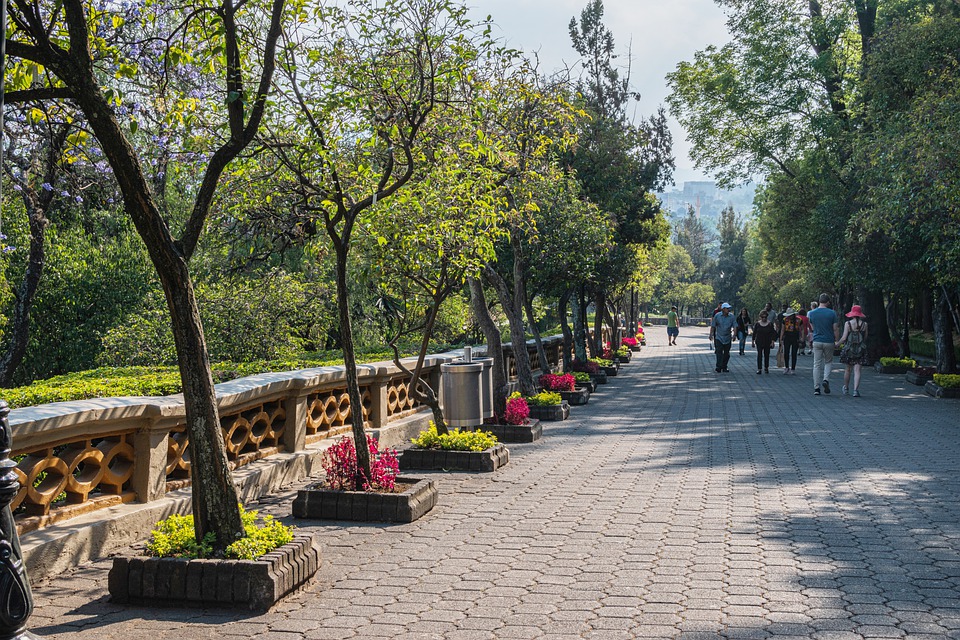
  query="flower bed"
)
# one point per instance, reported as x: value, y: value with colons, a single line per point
x: 531, y: 431
x: 441, y: 460
x: 920, y: 375
x: 943, y: 386
x: 553, y: 382
x: 895, y: 365
x: 554, y: 412
x: 577, y: 397
x: 415, y: 497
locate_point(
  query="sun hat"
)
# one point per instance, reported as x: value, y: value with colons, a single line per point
x: 856, y: 312
x: 790, y: 312
x: 726, y: 305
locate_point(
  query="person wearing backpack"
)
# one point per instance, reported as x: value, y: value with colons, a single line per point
x: 854, y: 354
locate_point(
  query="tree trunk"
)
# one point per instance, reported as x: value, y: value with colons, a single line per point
x: 873, y: 305
x: 478, y: 304
x: 20, y: 323
x: 905, y: 346
x: 943, y: 336
x: 364, y: 472
x: 599, y: 307
x: 518, y: 337
x: 541, y: 353
x: 579, y: 327
x: 926, y: 310
x: 562, y: 303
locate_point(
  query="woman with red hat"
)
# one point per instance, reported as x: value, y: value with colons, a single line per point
x: 854, y: 354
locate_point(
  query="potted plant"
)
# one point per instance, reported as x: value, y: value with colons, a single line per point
x: 385, y: 497
x: 582, y: 380
x: 944, y: 385
x: 895, y: 365
x: 631, y: 343
x: 920, y: 375
x: 548, y: 405
x: 566, y: 386
x: 622, y: 355
x: 592, y: 368
x: 641, y: 337
x: 258, y: 570
x: 455, y: 451
x: 608, y: 367
x: 516, y: 425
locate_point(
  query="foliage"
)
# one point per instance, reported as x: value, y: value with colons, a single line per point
x: 630, y: 342
x: 545, y: 399
x: 553, y: 382
x: 588, y: 367
x: 925, y: 372
x: 455, y: 440
x: 340, y: 463
x: 581, y: 376
x: 601, y: 362
x: 173, y: 537
x: 898, y: 362
x: 947, y: 380
x: 622, y: 352
x: 518, y: 411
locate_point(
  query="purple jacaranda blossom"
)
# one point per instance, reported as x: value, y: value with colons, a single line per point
x: 78, y: 199
x: 65, y: 194
x: 47, y: 186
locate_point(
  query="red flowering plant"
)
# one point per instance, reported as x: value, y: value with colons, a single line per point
x: 608, y: 354
x: 629, y: 342
x: 340, y: 463
x: 586, y: 367
x: 517, y: 411
x: 553, y: 382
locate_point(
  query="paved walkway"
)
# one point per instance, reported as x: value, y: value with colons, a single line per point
x: 680, y: 503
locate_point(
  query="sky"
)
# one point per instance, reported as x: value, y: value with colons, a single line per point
x: 650, y: 35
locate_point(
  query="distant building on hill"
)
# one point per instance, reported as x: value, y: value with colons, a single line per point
x: 707, y: 200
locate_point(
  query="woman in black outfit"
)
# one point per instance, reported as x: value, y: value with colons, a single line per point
x: 764, y: 335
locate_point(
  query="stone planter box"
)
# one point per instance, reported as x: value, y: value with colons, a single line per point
x: 578, y: 397
x: 635, y: 349
x: 440, y: 460
x: 554, y: 412
x: 882, y: 369
x: 623, y: 360
x: 589, y: 386
x: 366, y: 506
x: 918, y: 380
x: 515, y: 433
x: 239, y: 584
x: 610, y: 371
x: 599, y: 378
x: 935, y: 390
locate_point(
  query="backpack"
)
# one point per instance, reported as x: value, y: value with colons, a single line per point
x: 855, y: 341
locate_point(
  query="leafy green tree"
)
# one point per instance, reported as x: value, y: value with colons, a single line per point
x: 731, y: 269
x: 85, y: 57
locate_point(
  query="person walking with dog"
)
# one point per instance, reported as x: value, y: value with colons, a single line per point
x: 854, y: 353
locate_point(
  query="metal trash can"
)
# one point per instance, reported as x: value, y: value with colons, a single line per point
x: 461, y: 393
x: 486, y: 386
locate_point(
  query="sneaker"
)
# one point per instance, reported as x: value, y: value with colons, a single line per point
x: 845, y: 389
x: 826, y: 387
x: 759, y: 371
x: 767, y: 371
x: 718, y: 369
x: 786, y: 372
x: 816, y: 391
x: 856, y: 394
x: 726, y: 370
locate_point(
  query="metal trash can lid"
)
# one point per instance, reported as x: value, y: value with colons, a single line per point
x: 462, y: 367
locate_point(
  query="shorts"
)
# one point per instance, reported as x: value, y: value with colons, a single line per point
x: 673, y: 331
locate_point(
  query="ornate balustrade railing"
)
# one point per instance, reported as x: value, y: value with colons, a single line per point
x: 76, y: 457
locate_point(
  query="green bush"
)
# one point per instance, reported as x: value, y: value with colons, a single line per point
x: 545, y: 399
x: 174, y: 538
x: 898, y: 362
x: 456, y: 440
x: 601, y: 362
x: 921, y: 344
x: 581, y: 376
x: 947, y: 380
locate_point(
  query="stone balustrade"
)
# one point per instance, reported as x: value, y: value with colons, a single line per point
x: 81, y: 456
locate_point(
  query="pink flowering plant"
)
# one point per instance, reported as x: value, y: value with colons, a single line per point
x: 586, y: 367
x: 340, y: 463
x: 629, y: 342
x: 554, y: 382
x: 517, y: 411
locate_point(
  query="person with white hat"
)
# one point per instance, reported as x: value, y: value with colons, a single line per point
x: 854, y: 353
x: 722, y: 329
x: 791, y: 329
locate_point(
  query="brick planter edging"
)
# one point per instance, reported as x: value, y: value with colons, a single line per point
x: 882, y: 369
x: 610, y: 371
x: 515, y: 433
x: 935, y: 390
x: 553, y: 412
x: 367, y: 506
x: 244, y: 584
x: 599, y: 378
x: 590, y: 386
x: 578, y: 397
x: 913, y: 378
x: 439, y: 460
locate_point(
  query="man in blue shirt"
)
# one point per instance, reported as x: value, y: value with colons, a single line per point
x: 826, y: 332
x: 722, y: 329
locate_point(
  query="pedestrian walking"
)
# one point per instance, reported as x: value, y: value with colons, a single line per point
x: 673, y: 326
x: 764, y: 335
x: 791, y: 330
x: 854, y: 353
x: 722, y: 330
x: 826, y: 332
x: 806, y: 333
x: 771, y: 314
x: 743, y: 327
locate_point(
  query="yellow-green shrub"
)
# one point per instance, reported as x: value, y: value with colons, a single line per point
x: 898, y: 362
x: 174, y: 538
x: 456, y: 440
x: 947, y: 380
x: 545, y: 399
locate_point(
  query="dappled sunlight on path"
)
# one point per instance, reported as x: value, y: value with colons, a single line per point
x: 680, y: 503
